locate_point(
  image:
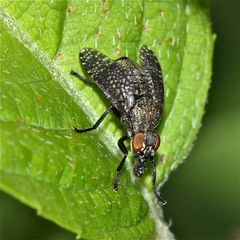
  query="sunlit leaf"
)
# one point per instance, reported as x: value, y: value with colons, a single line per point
x: 67, y: 177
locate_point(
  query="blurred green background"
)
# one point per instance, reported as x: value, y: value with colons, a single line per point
x: 204, y: 193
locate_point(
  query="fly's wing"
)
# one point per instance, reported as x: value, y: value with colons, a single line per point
x: 114, y: 78
x: 153, y: 77
x: 93, y: 61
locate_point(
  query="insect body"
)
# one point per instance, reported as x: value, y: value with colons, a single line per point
x: 136, y: 92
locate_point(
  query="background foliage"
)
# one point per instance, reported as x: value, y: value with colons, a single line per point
x: 207, y: 185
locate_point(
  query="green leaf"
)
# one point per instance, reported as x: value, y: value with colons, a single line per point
x: 68, y: 177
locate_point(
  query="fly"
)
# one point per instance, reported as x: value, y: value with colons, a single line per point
x: 136, y: 92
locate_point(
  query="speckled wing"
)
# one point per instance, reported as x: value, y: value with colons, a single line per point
x: 115, y: 78
x: 153, y: 77
x: 94, y: 62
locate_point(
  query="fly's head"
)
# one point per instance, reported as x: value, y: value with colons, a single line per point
x: 144, y: 146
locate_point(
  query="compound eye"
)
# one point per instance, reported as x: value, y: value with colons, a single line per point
x: 137, y: 142
x: 157, y: 144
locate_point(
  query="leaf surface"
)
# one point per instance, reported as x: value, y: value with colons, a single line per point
x: 68, y: 177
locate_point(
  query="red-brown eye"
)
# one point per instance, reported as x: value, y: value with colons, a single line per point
x: 157, y: 144
x: 137, y: 142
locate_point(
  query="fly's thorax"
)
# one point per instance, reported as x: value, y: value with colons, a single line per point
x: 143, y: 145
x: 144, y: 116
x: 140, y: 118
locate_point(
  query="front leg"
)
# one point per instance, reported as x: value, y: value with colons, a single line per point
x: 96, y: 124
x: 156, y: 192
x: 125, y: 152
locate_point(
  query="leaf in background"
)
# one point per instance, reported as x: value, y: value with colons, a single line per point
x: 68, y: 177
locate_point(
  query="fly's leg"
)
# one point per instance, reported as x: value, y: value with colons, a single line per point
x: 119, y: 168
x: 156, y: 192
x: 77, y: 75
x: 96, y: 124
